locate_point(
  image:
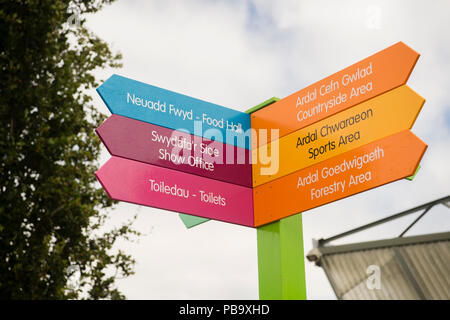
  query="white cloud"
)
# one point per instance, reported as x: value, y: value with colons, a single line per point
x: 239, y: 53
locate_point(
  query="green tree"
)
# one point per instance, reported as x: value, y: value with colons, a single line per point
x: 51, y: 207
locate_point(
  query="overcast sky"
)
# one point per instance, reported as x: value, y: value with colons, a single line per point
x: 238, y: 54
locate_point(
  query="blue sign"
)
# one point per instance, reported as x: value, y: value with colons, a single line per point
x: 144, y: 102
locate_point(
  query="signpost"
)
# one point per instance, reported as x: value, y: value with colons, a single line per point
x: 379, y: 117
x: 361, y: 81
x: 372, y: 165
x: 148, y: 185
x: 343, y: 135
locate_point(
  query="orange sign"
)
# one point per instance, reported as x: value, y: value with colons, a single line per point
x: 375, y: 164
x: 366, y: 79
x: 389, y: 113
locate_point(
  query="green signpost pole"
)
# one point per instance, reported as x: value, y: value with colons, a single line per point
x: 281, y: 265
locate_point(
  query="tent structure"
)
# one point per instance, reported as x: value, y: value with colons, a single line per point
x: 415, y: 267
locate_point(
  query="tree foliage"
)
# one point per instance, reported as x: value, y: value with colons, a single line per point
x: 51, y: 208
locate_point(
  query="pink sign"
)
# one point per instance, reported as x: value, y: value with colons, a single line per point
x: 152, y: 144
x: 153, y: 186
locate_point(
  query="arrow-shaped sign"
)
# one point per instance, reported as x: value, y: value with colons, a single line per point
x: 153, y: 186
x: 366, y: 79
x: 375, y: 164
x: 141, y: 141
x: 144, y: 102
x: 377, y: 118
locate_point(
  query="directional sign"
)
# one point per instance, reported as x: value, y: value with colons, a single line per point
x: 379, y: 117
x: 375, y: 164
x: 366, y: 79
x: 140, y: 101
x: 148, y: 185
x: 141, y: 141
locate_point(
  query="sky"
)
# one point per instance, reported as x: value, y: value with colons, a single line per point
x: 238, y: 54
